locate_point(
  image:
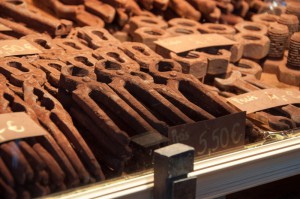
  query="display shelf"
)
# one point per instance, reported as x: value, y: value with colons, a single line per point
x: 217, y: 176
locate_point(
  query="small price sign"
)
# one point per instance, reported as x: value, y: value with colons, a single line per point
x: 186, y: 43
x: 18, y: 125
x: 264, y: 99
x: 211, y: 135
x: 4, y: 28
x: 17, y: 47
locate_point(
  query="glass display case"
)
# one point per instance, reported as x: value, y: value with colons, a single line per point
x: 217, y: 176
x: 90, y: 89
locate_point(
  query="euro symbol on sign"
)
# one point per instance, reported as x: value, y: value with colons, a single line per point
x: 14, y: 128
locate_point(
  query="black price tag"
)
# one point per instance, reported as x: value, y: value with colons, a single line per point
x: 210, y: 136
